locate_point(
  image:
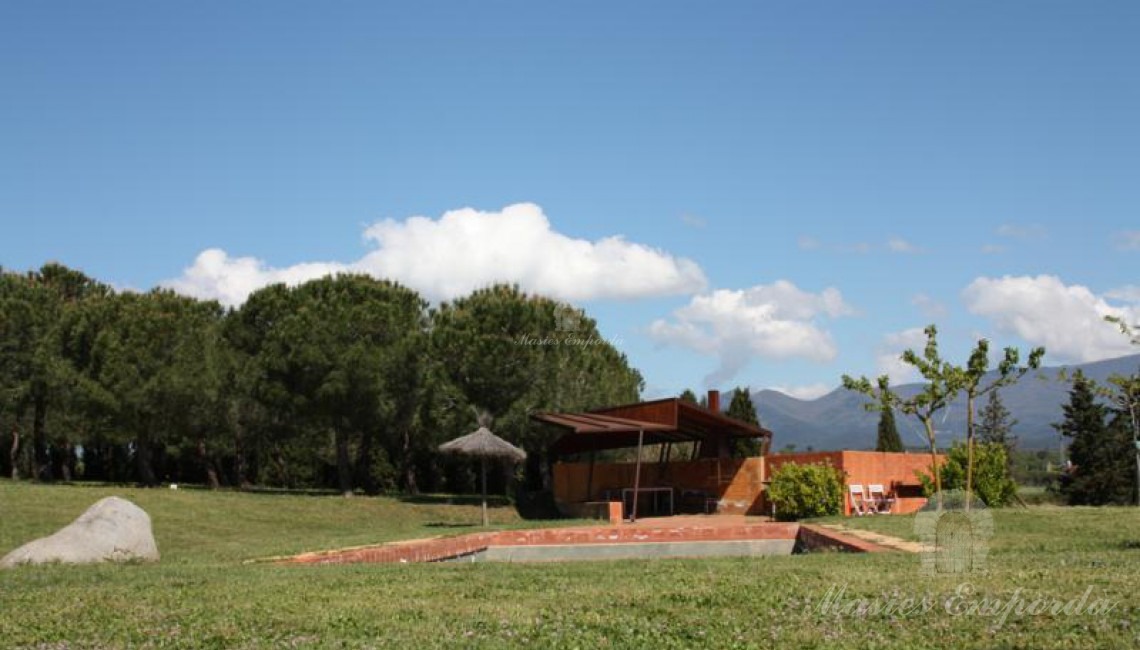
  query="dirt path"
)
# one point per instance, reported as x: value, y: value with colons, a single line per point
x: 879, y: 538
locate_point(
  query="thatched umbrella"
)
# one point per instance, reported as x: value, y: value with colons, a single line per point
x: 483, y: 444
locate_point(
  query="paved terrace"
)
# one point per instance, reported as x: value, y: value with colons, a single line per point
x: 693, y: 528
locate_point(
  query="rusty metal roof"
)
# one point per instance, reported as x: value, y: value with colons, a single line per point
x: 667, y: 420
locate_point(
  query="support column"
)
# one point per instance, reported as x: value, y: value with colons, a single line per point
x: 637, y: 475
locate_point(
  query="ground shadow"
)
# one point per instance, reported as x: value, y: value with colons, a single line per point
x: 454, y: 500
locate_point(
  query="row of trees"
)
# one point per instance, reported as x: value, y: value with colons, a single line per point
x: 1102, y: 423
x: 346, y: 382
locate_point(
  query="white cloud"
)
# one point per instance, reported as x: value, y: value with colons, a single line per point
x: 1021, y: 231
x: 806, y: 392
x: 892, y: 245
x: 899, y: 245
x: 930, y: 308
x: 889, y: 361
x: 862, y: 248
x: 993, y: 249
x: 773, y: 321
x: 1127, y: 293
x: 1067, y: 319
x: 464, y: 250
x: 1128, y: 240
x: 229, y: 280
x: 693, y: 221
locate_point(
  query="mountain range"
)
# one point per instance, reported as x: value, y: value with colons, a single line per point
x: 838, y: 420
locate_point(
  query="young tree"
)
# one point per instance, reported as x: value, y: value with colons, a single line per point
x: 943, y: 381
x: 888, y: 438
x: 971, y: 379
x: 741, y: 408
x: 1100, y: 451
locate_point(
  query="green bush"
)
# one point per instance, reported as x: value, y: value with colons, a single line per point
x: 809, y: 490
x: 992, y: 483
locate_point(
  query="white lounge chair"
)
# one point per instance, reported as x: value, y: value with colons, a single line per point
x: 859, y: 504
x: 879, y: 500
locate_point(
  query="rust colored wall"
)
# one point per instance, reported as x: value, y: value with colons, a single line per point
x: 896, y: 472
x: 738, y: 484
x: 735, y: 483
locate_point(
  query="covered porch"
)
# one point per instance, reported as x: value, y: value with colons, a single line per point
x: 682, y: 462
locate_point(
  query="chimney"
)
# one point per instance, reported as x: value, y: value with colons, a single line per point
x: 714, y: 401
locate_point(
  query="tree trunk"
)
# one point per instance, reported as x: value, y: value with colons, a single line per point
x: 282, y: 467
x: 364, y: 477
x: 240, y: 469
x: 343, y: 465
x: 211, y: 470
x: 144, y: 463
x: 66, y: 461
x: 934, y: 468
x: 14, y: 453
x: 41, y: 457
x: 408, y: 461
x: 969, y: 449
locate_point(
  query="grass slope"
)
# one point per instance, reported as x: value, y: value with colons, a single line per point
x: 201, y: 596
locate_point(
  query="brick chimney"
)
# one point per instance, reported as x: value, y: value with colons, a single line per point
x: 714, y: 401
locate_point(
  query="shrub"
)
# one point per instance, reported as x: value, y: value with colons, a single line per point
x: 808, y: 490
x: 992, y: 483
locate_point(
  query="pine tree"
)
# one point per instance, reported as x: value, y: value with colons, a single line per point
x: 996, y: 425
x: 889, y: 439
x: 688, y: 396
x: 1100, y: 453
x: 741, y: 408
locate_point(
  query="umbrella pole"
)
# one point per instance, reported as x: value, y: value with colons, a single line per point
x: 483, y: 468
x: 637, y: 475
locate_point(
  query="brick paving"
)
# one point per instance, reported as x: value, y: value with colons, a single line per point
x: 663, y: 529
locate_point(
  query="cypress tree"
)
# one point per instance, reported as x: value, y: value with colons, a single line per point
x: 888, y: 439
x: 741, y: 408
x: 996, y: 426
x: 1100, y: 451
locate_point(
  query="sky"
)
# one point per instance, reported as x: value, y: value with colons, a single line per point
x: 763, y: 194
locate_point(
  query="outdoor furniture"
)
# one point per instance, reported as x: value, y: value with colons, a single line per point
x: 879, y: 501
x: 859, y: 504
x: 654, y: 491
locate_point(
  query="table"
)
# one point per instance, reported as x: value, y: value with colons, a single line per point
x: 655, y: 491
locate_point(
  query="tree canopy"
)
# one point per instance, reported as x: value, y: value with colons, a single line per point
x: 346, y: 382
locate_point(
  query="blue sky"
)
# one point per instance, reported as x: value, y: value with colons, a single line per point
x: 796, y: 186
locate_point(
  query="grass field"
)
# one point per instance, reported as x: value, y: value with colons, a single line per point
x: 201, y: 595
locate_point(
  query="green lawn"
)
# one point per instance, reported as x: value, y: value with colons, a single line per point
x: 202, y: 595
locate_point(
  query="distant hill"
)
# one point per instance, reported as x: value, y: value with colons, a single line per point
x: 839, y: 421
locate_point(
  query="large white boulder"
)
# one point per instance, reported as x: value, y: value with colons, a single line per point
x: 112, y: 530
